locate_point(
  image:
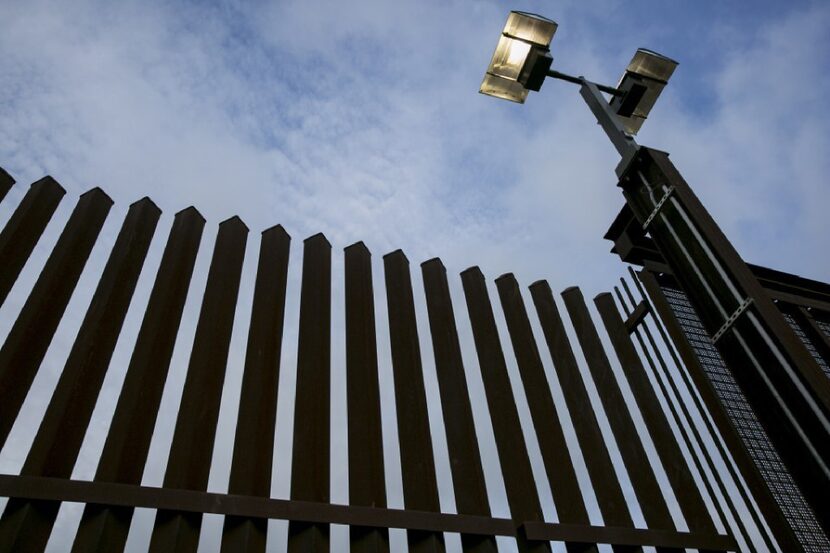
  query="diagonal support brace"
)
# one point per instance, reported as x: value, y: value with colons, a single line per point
x: 637, y: 316
x: 732, y: 318
x: 658, y: 206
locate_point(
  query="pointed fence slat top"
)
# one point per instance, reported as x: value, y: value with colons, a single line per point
x: 25, y: 227
x: 6, y: 183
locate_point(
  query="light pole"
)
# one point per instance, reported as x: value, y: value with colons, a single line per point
x: 785, y: 386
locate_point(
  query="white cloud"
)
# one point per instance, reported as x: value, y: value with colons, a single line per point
x: 758, y: 159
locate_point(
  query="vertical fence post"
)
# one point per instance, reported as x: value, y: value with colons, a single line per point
x: 24, y: 228
x: 367, y: 486
x: 253, y: 449
x: 647, y: 490
x: 689, y: 431
x: 465, y: 456
x: 570, y: 507
x: 310, y: 464
x: 29, y: 338
x: 606, y: 487
x: 519, y: 484
x: 104, y: 528
x: 188, y: 466
x: 61, y: 432
x: 677, y: 470
x: 420, y: 488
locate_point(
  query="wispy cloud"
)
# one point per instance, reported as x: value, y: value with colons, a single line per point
x: 362, y: 121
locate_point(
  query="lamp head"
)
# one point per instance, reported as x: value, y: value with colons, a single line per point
x: 521, y: 59
x: 643, y: 81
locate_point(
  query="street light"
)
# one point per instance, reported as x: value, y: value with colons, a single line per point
x: 788, y: 391
x: 643, y: 81
x: 522, y: 60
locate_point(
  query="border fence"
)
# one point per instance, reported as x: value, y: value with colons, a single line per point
x: 710, y: 521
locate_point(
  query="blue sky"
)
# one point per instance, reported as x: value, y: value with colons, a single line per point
x: 362, y: 120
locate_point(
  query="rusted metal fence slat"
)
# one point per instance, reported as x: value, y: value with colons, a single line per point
x: 519, y: 484
x: 465, y: 456
x: 691, y: 436
x: 32, y: 332
x: 188, y: 466
x: 128, y: 440
x: 420, y: 488
x: 310, y: 465
x: 253, y: 450
x: 652, y: 503
x: 570, y: 506
x: 367, y: 486
x: 607, y: 488
x: 24, y: 228
x: 677, y: 470
x: 61, y: 432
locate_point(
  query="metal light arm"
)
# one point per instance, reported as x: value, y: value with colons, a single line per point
x: 579, y: 80
x: 606, y: 118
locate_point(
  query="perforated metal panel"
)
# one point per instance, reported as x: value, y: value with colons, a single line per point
x: 807, y: 342
x: 776, y: 475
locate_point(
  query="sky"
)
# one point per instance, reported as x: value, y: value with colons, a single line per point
x: 362, y: 120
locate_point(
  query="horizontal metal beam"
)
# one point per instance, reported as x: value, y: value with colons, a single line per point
x: 579, y: 80
x: 105, y: 493
x: 627, y: 536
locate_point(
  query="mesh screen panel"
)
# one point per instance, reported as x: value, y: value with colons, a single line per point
x: 824, y: 326
x: 772, y: 469
x: 807, y: 342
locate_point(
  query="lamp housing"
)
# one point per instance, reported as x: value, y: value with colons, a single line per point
x: 521, y: 59
x: 643, y: 81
